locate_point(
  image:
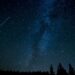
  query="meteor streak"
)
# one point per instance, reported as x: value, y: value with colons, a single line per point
x: 4, y: 21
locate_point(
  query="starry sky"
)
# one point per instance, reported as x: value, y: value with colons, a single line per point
x: 36, y: 33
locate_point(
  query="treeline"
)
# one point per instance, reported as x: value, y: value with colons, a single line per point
x: 60, y: 71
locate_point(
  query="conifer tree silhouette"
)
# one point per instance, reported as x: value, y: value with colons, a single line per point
x: 61, y: 70
x: 51, y: 70
x: 71, y: 70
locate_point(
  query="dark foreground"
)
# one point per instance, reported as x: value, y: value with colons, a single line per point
x: 60, y: 71
x: 23, y: 73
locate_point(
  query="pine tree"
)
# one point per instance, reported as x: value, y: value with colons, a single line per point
x: 71, y: 70
x: 61, y: 70
x: 51, y: 70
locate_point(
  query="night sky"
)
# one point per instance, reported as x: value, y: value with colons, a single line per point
x: 36, y: 33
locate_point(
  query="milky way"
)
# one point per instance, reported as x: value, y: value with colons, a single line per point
x: 36, y: 33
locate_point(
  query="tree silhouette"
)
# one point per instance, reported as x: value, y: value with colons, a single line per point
x: 61, y: 70
x: 71, y: 70
x: 51, y: 70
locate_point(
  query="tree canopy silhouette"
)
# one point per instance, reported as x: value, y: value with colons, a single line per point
x: 51, y: 70
x: 71, y: 70
x: 61, y: 70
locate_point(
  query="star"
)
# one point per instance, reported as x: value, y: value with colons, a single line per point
x: 62, y: 51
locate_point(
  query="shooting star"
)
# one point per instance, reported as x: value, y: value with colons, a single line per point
x: 4, y: 21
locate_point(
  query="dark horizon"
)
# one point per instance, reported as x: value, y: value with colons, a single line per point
x: 48, y: 70
x: 60, y: 71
